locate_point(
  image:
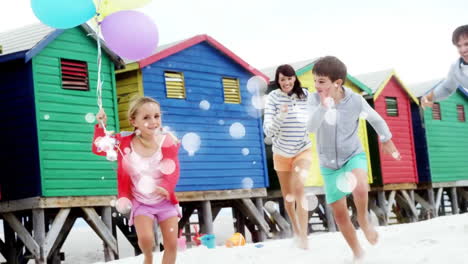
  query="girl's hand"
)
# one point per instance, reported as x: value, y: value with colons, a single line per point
x: 161, y: 191
x: 101, y: 117
x: 389, y: 148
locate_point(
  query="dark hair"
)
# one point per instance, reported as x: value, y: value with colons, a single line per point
x: 330, y: 67
x: 458, y: 33
x: 288, y: 70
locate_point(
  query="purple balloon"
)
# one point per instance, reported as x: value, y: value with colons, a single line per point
x: 131, y: 34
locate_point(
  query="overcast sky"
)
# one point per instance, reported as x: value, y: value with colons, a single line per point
x: 411, y: 36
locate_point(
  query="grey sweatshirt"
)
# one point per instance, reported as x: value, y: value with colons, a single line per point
x: 456, y: 77
x: 337, y: 143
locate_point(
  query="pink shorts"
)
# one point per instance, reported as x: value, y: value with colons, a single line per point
x: 160, y: 211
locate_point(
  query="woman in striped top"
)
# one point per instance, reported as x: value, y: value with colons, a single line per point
x: 285, y: 122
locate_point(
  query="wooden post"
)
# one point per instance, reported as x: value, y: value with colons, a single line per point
x: 207, y: 217
x: 239, y: 225
x: 430, y: 195
x: 39, y: 233
x: 391, y: 201
x: 454, y: 201
x: 10, y: 243
x: 440, y: 192
x: 259, y: 205
x: 382, y: 204
x: 106, y: 215
x: 330, y: 219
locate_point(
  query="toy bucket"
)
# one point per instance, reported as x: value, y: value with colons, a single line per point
x: 181, y: 242
x: 208, y: 240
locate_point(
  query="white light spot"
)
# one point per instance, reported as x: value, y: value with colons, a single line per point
x: 127, y: 150
x: 297, y: 169
x: 270, y: 206
x: 396, y: 155
x: 191, y: 143
x: 304, y: 174
x: 123, y: 205
x: 312, y: 201
x: 289, y: 198
x: 329, y: 102
x: 268, y: 140
x: 247, y: 183
x: 167, y: 166
x: 258, y: 101
x: 363, y: 115
x: 245, y: 151
x: 114, y: 214
x: 90, y: 118
x: 171, y: 230
x: 382, y: 137
x: 234, y: 220
x: 332, y: 161
x: 256, y: 85
x: 46, y: 117
x: 254, y: 162
x: 102, y: 178
x: 346, y: 182
x: 111, y: 155
x: 237, y: 130
x: 112, y: 203
x: 204, y: 105
x: 330, y: 117
x: 146, y: 185
x: 221, y: 122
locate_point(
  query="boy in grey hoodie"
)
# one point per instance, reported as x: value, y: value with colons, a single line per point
x: 458, y: 74
x: 334, y: 113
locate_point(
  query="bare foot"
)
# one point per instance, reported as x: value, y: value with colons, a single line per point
x: 303, y: 243
x: 371, y: 234
x: 359, y: 257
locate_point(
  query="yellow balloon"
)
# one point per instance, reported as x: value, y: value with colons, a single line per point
x: 107, y: 7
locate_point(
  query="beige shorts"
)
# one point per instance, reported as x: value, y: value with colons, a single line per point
x: 281, y: 163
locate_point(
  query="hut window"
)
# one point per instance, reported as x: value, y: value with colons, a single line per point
x: 461, y: 113
x: 74, y: 75
x: 436, y: 114
x: 175, y: 85
x: 392, y: 106
x: 231, y: 90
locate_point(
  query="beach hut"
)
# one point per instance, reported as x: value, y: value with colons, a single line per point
x: 202, y: 88
x: 392, y: 100
x: 49, y: 174
x: 438, y: 133
x: 48, y: 97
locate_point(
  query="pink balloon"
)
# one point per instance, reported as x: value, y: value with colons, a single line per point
x: 131, y: 34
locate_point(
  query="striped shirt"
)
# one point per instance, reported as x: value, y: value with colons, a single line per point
x: 287, y: 130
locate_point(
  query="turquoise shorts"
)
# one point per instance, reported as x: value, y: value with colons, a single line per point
x: 330, y: 177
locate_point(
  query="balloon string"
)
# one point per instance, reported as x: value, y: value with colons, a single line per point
x: 99, y: 62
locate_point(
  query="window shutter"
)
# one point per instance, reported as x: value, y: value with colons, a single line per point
x: 392, y: 106
x: 461, y: 113
x: 175, y: 86
x: 231, y: 90
x: 74, y: 75
x: 436, y: 114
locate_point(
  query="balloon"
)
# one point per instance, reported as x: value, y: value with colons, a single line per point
x: 107, y: 7
x: 63, y: 13
x: 130, y: 34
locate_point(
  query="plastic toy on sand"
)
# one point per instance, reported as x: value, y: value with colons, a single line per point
x: 237, y: 239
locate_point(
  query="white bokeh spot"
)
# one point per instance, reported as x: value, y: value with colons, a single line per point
x: 90, y: 118
x: 237, y: 130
